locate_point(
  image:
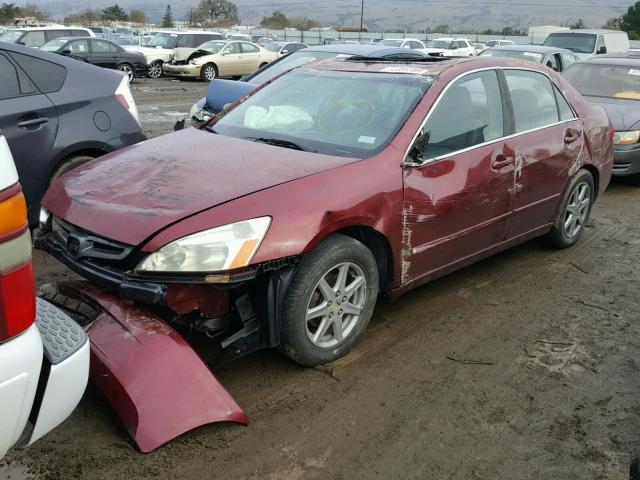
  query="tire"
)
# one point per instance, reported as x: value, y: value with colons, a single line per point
x: 128, y: 70
x: 68, y: 165
x: 574, y: 211
x: 155, y: 70
x: 208, y: 72
x: 302, y: 338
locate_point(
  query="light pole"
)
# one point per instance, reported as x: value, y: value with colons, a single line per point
x: 361, y: 14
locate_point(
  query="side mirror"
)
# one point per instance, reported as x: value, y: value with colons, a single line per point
x: 66, y: 51
x: 602, y: 50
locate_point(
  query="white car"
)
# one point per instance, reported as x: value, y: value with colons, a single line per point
x: 160, y: 49
x: 44, y: 354
x: 403, y: 43
x: 498, y: 43
x: 451, y: 47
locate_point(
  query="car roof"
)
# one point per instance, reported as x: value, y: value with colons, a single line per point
x: 531, y: 48
x: 623, y: 61
x: 359, y: 49
x: 61, y: 27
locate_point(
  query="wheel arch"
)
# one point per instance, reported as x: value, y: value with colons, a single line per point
x: 595, y: 173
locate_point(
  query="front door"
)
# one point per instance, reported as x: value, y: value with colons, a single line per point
x: 230, y: 60
x: 547, y: 144
x: 458, y: 194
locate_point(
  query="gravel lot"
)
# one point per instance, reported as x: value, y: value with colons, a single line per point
x: 523, y: 366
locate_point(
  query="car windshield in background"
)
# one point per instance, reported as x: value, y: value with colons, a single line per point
x: 54, y: 45
x: 520, y: 54
x: 164, y: 40
x: 11, y: 36
x: 350, y: 114
x: 444, y: 44
x: 122, y: 40
x: 392, y: 43
x: 576, y: 42
x: 608, y: 81
x: 294, y: 60
x: 213, y: 46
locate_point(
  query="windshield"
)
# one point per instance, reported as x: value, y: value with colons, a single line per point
x: 126, y: 40
x: 609, y: 81
x: 576, y: 42
x: 296, y: 59
x: 444, y: 44
x: 164, y: 40
x: 213, y: 46
x: 54, y: 45
x: 11, y: 36
x: 392, y: 43
x: 350, y: 114
x: 519, y: 54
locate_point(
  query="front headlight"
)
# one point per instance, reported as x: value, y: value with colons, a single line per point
x: 221, y: 248
x: 626, y: 138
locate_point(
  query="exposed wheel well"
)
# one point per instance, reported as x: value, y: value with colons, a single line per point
x: 89, y: 152
x: 379, y: 246
x: 596, y: 178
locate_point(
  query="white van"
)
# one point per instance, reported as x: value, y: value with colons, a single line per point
x: 37, y: 36
x: 589, y: 43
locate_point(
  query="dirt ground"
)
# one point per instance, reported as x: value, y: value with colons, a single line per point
x: 523, y: 366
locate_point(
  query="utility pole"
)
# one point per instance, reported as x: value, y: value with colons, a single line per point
x: 361, y: 14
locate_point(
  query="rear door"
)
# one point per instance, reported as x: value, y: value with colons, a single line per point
x: 29, y: 121
x: 101, y: 54
x: 251, y: 58
x: 458, y: 195
x: 547, y: 143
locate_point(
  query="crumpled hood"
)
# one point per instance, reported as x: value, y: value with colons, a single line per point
x: 133, y: 193
x: 624, y: 114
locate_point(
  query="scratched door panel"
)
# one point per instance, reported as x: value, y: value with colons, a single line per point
x: 454, y: 208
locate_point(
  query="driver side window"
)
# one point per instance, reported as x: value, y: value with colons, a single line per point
x: 468, y: 114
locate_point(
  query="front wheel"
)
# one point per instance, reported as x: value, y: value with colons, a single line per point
x: 68, y: 165
x: 208, y: 72
x: 155, y: 70
x: 128, y: 71
x: 329, y: 302
x: 572, y: 216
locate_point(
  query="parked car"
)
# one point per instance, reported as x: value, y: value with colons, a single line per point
x: 284, y: 48
x: 101, y: 32
x: 220, y: 59
x: 614, y: 85
x: 555, y: 58
x: 100, y: 52
x: 390, y: 175
x: 37, y: 36
x: 160, y: 49
x: 451, y: 47
x: 44, y: 354
x: 498, y: 43
x: 61, y: 114
x: 590, y: 43
x: 403, y: 43
x: 222, y: 92
x: 127, y: 40
x: 478, y: 48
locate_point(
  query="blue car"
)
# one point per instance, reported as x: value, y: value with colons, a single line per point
x: 223, y: 92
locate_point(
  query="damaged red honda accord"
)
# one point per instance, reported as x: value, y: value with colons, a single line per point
x: 280, y: 223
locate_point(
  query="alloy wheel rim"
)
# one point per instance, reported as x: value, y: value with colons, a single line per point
x: 335, y: 305
x: 155, y: 70
x: 209, y: 73
x: 127, y: 71
x: 577, y: 210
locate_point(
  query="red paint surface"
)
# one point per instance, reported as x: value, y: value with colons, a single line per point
x: 151, y: 376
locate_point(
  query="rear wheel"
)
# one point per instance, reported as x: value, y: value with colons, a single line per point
x: 329, y: 302
x: 155, y: 70
x: 208, y: 72
x: 574, y: 211
x: 68, y: 165
x: 128, y: 70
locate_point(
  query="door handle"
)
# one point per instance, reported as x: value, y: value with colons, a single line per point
x: 34, y: 122
x: 571, y: 136
x: 501, y: 161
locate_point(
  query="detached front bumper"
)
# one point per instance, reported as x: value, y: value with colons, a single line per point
x: 182, y: 70
x: 626, y: 160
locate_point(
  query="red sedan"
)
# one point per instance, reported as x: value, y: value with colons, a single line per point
x: 281, y: 223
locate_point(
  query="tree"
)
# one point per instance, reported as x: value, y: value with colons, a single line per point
x: 86, y: 17
x: 218, y: 11
x: 277, y: 21
x: 31, y: 10
x: 8, y: 11
x: 167, y: 20
x: 114, y: 13
x: 137, y: 16
x: 630, y: 21
x: 304, y: 23
x: 442, y: 29
x: 579, y: 24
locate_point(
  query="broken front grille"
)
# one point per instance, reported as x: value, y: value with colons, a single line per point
x: 82, y: 244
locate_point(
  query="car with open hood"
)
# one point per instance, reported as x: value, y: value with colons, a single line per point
x: 614, y: 85
x: 219, y: 58
x: 280, y: 223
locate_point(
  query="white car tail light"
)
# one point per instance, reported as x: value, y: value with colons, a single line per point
x: 123, y: 95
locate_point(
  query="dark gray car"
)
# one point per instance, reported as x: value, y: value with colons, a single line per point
x: 614, y: 85
x: 58, y: 113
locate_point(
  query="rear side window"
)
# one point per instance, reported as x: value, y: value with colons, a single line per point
x: 564, y: 109
x: 468, y: 114
x: 9, y: 86
x: 249, y: 48
x: 533, y: 100
x: 53, y: 34
x: 48, y: 76
x: 33, y: 39
x: 100, y: 46
x: 78, y: 33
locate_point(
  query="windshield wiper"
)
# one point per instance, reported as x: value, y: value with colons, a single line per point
x: 278, y: 143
